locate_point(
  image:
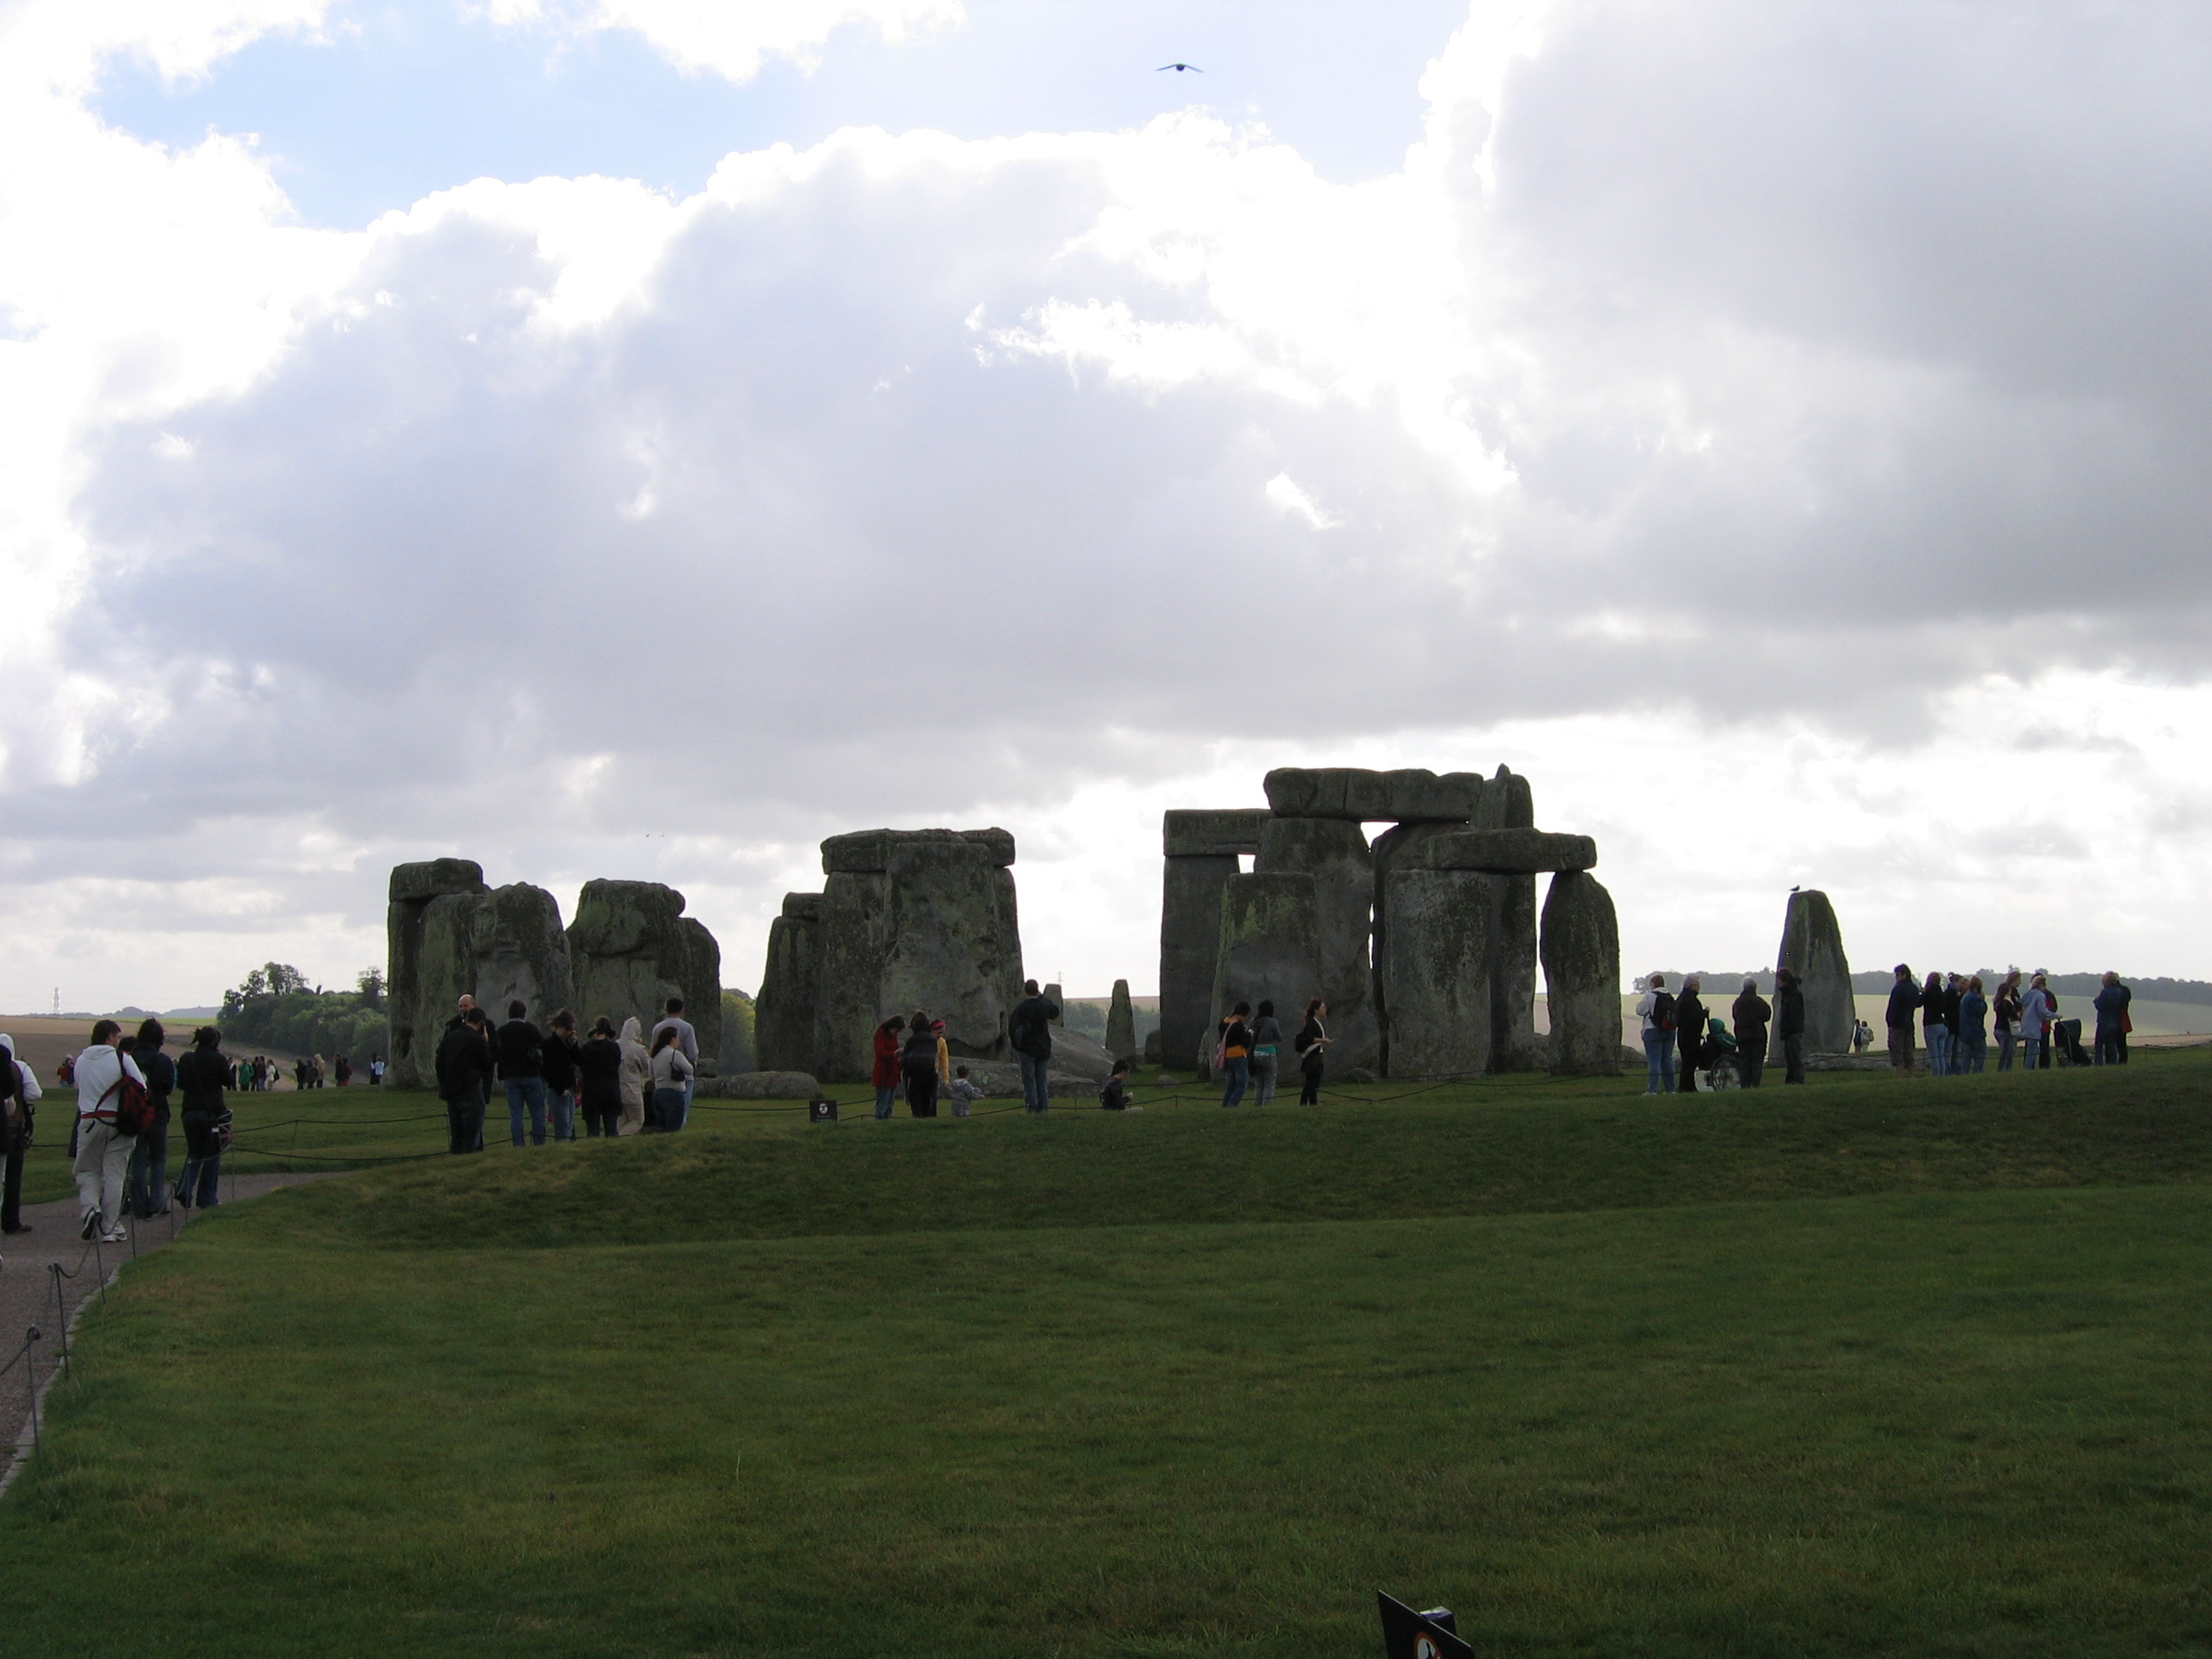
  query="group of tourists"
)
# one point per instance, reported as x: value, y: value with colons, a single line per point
x: 1682, y: 1039
x: 119, y: 1141
x: 622, y: 1083
x: 912, y: 1059
x: 259, y: 1074
x: 1954, y: 1014
x: 1248, y: 1053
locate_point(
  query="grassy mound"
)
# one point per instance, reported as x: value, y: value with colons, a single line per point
x: 1188, y: 1383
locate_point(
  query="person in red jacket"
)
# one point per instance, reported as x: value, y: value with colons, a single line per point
x: 885, y: 1076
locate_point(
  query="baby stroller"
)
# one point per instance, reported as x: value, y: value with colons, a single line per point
x: 1718, y: 1057
x: 2066, y: 1043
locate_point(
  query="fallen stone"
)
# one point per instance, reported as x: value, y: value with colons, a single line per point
x: 758, y: 1085
x: 1501, y: 852
x: 1297, y: 792
x: 1580, y: 945
x: 1218, y: 833
x: 1001, y: 1080
x: 1358, y: 1074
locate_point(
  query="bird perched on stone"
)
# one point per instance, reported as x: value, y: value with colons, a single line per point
x: 1179, y: 67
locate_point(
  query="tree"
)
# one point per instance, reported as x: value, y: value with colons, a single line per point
x: 370, y: 980
x: 283, y: 978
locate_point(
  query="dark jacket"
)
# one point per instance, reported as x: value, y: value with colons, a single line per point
x: 160, y: 1072
x: 522, y: 1050
x: 1030, y: 1027
x: 1689, y: 1033
x: 1973, y: 1010
x: 598, y: 1071
x: 1114, y: 1097
x: 919, y: 1054
x: 464, y: 1064
x: 1790, y: 1010
x: 1752, y: 1016
x: 1307, y: 1043
x: 1903, y: 998
x: 1939, y: 1007
x: 2111, y: 1003
x: 202, y: 1076
x: 559, y: 1061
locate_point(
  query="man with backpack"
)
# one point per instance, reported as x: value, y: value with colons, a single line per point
x: 112, y: 1105
x: 19, y: 1093
x: 1656, y: 1007
x: 1029, y: 1029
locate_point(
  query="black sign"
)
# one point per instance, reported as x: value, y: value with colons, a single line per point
x: 821, y: 1111
x: 1410, y: 1635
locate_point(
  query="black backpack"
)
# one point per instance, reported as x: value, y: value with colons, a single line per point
x: 1662, y: 1012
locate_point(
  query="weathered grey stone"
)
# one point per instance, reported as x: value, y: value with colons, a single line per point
x: 1503, y: 852
x: 785, y: 1011
x: 1507, y: 803
x: 1152, y: 1046
x: 1121, y: 1023
x: 1336, y: 855
x: 1058, y: 997
x: 631, y: 948
x: 1268, y: 950
x: 1435, y: 960
x: 414, y: 1047
x: 1297, y: 792
x: 868, y: 851
x: 1581, y: 949
x: 1079, y: 1056
x: 935, y: 929
x: 758, y: 1085
x: 1813, y: 948
x: 1389, y: 849
x: 1222, y: 832
x: 1190, y: 943
x: 499, y: 947
x: 1002, y: 1080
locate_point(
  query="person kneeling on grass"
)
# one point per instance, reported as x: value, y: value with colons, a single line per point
x: 963, y: 1091
x: 1114, y: 1097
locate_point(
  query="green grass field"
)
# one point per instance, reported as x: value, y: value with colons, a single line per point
x: 1862, y: 1368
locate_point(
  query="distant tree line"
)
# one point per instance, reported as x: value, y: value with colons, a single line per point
x: 276, y: 1008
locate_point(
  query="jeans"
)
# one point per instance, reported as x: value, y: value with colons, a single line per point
x: 1939, y: 1050
x: 464, y: 1122
x: 146, y: 1187
x: 2112, y: 1046
x: 2004, y: 1047
x: 1968, y: 1054
x: 921, y: 1092
x: 527, y: 1092
x: 201, y: 1182
x: 885, y: 1094
x: 601, y: 1120
x: 2031, y: 1052
x: 1036, y: 1092
x: 1659, y: 1063
x: 668, y: 1109
x: 1263, y: 1079
x: 1793, y: 1057
x: 1238, y: 1072
x: 102, y: 1156
x: 564, y: 1109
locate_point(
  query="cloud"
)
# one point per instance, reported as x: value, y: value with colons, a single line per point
x: 1696, y: 392
x: 717, y: 37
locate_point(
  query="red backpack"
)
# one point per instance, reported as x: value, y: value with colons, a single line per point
x: 134, y: 1111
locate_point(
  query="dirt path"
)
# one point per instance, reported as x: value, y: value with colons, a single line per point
x: 27, y: 1284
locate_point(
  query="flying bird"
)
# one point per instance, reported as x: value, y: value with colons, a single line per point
x: 1178, y: 68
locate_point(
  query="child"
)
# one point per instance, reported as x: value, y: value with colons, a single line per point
x: 963, y: 1092
x: 1114, y: 1097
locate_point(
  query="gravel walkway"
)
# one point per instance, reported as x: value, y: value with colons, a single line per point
x: 26, y: 1284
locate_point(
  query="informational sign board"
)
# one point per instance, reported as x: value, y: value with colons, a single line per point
x: 1410, y: 1635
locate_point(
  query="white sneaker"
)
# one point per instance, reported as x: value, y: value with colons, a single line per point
x: 115, y: 1236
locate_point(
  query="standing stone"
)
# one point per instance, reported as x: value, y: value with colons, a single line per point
x: 416, y: 1025
x: 1508, y: 803
x: 504, y: 946
x: 1398, y: 845
x: 632, y: 948
x: 1190, y: 941
x: 1058, y: 998
x: 1435, y: 957
x: 1335, y: 854
x: 791, y: 983
x: 1813, y: 947
x: 1582, y: 976
x: 1268, y: 948
x: 1121, y: 1023
x: 932, y: 926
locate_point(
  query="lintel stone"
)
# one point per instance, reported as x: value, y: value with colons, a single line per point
x: 1218, y: 833
x: 868, y: 851
x: 1412, y: 796
x: 1503, y: 852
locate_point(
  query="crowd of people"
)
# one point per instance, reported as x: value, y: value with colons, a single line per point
x: 1248, y: 1053
x: 258, y: 1073
x: 1956, y: 1016
x: 619, y: 1083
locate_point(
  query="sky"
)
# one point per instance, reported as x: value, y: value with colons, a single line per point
x: 640, y: 438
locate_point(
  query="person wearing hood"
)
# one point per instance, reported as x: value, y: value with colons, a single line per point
x: 102, y: 1155
x: 636, y: 1076
x: 19, y: 1092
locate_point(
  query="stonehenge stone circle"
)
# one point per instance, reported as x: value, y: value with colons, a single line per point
x: 1335, y: 853
x: 1201, y: 850
x: 907, y: 919
x: 416, y: 1025
x: 498, y: 946
x: 1582, y: 976
x: 1435, y: 957
x: 1269, y: 937
x: 631, y: 948
x: 1121, y: 1023
x: 1813, y: 948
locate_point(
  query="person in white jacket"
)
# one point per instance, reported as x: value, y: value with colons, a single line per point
x: 636, y: 1077
x: 103, y: 1157
x: 19, y: 1092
